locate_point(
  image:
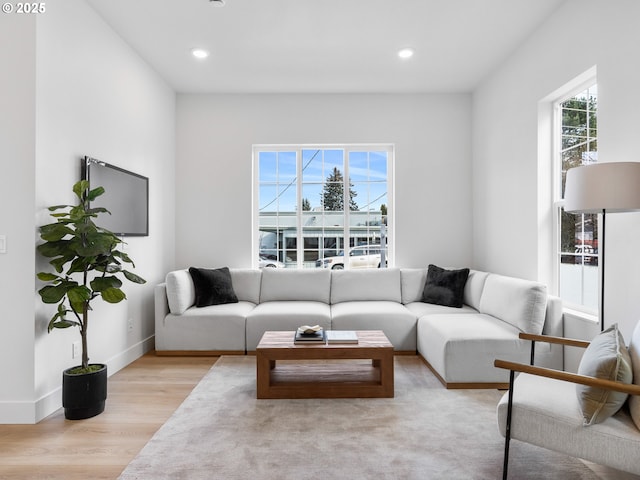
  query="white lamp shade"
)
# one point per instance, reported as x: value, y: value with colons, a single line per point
x: 610, y: 187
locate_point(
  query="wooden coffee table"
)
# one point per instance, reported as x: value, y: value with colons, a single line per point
x: 287, y: 370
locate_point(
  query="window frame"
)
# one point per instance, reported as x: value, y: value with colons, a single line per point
x: 557, y: 200
x: 347, y: 148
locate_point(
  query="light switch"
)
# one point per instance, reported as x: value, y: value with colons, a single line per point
x: 3, y: 244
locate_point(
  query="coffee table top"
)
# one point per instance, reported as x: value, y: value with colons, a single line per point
x: 284, y: 339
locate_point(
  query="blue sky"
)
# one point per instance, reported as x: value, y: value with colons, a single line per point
x: 277, y: 170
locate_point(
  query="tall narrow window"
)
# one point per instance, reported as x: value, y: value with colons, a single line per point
x: 577, y: 234
x: 323, y: 206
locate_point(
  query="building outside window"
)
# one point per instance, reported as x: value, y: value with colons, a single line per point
x: 576, y: 234
x: 323, y: 206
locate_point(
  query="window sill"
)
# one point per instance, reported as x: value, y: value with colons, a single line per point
x: 585, y: 316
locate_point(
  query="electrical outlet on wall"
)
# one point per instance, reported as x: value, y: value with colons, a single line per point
x: 75, y: 350
x: 130, y: 325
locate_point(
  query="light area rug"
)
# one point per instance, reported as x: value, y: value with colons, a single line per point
x: 221, y: 431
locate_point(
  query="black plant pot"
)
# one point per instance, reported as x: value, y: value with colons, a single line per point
x: 84, y: 395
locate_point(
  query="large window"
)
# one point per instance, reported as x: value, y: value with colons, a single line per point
x: 576, y: 234
x: 323, y: 206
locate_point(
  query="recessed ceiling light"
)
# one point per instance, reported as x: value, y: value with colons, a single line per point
x: 406, y: 53
x: 217, y: 3
x: 199, y: 53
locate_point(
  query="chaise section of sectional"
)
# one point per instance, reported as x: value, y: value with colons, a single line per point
x: 371, y: 300
x: 461, y: 346
x: 182, y: 328
x: 289, y: 299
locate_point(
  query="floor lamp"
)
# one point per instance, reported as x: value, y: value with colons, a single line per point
x: 603, y: 188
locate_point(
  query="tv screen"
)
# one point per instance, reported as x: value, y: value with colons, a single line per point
x: 126, y: 197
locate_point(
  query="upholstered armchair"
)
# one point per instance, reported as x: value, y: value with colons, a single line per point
x: 593, y: 415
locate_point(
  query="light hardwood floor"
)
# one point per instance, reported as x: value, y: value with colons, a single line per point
x: 141, y: 397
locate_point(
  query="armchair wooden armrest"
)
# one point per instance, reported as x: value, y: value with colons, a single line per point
x: 569, y: 377
x: 570, y: 342
x: 550, y: 339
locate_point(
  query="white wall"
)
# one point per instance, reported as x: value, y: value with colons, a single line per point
x: 17, y: 193
x: 91, y: 95
x: 215, y: 133
x: 506, y: 199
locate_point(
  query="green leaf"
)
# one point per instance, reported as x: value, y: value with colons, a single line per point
x: 79, y: 294
x: 95, y: 211
x: 95, y: 193
x: 58, y: 263
x: 92, y: 245
x: 113, y: 295
x: 55, y: 232
x: 58, y: 207
x: 61, y: 324
x: 123, y: 256
x: 133, y: 277
x: 54, y: 249
x: 80, y: 188
x: 101, y: 284
x: 47, y: 277
x: 79, y: 264
x: 53, y: 294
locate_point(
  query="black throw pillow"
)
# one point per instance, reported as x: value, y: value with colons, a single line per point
x: 445, y: 287
x: 213, y: 287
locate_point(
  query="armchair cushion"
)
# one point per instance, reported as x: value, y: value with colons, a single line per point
x: 634, y: 353
x: 606, y: 357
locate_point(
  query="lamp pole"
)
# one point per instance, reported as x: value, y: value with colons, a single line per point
x: 601, y: 251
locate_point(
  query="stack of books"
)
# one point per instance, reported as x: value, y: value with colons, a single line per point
x: 341, y: 336
x: 306, y: 335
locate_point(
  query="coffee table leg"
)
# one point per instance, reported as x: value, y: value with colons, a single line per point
x: 263, y: 375
x: 386, y: 374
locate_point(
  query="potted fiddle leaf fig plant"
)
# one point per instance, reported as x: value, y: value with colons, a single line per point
x: 88, y: 263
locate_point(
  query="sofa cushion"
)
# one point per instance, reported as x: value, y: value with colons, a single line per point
x: 213, y: 286
x: 246, y: 284
x: 445, y: 287
x: 393, y: 318
x: 284, y: 315
x: 634, y: 353
x: 298, y: 285
x: 382, y: 284
x: 215, y: 328
x: 462, y: 347
x: 522, y: 303
x: 181, y: 293
x: 412, y: 282
x: 606, y: 357
x: 420, y: 309
x: 474, y: 287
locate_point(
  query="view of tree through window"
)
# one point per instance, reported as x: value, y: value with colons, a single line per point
x: 578, y: 249
x: 315, y: 204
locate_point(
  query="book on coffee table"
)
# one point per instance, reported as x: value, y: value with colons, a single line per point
x: 309, y: 338
x: 341, y: 336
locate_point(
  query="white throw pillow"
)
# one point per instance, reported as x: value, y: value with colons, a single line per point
x: 607, y: 358
x: 634, y: 352
x: 181, y: 293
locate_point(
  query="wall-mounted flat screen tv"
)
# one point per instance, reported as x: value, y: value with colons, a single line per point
x: 126, y: 197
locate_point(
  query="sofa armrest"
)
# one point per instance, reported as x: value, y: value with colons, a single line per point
x: 161, y: 304
x: 631, y: 389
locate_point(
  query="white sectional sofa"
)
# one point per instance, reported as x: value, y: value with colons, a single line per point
x: 458, y: 344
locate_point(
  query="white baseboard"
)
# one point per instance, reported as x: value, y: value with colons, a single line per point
x: 33, y: 412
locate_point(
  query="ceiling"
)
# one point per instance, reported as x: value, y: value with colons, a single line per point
x: 337, y: 46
